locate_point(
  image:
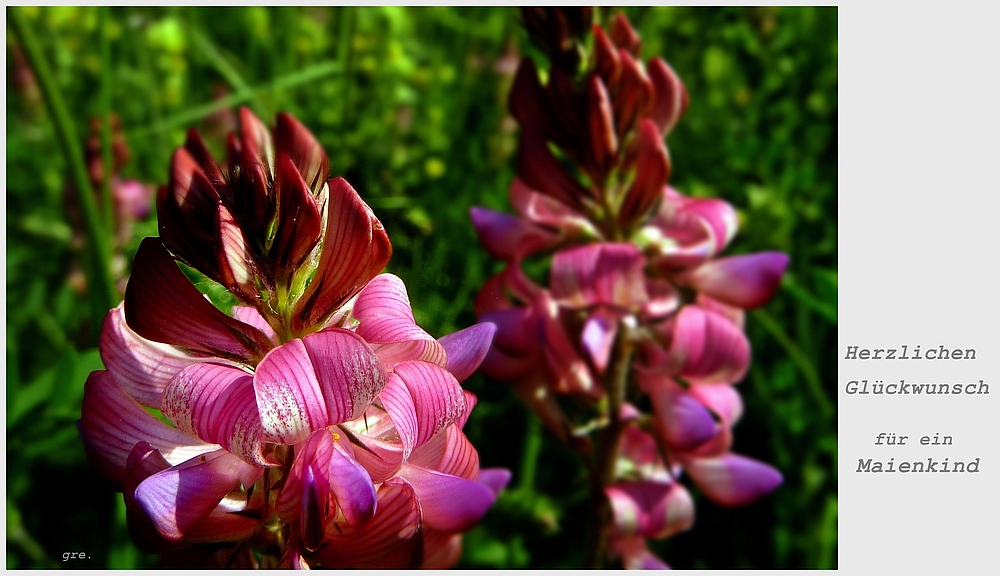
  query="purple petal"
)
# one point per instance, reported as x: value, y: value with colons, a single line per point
x: 217, y: 403
x: 467, y: 348
x: 495, y: 479
x: 178, y: 498
x: 603, y: 273
x: 505, y: 236
x: 112, y: 423
x: 448, y: 503
x: 746, y: 281
x: 723, y: 400
x: 684, y: 422
x: 733, y: 480
x: 141, y: 367
x: 352, y: 486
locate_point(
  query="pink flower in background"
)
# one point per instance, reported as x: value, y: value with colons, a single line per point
x: 640, y: 306
x: 315, y: 425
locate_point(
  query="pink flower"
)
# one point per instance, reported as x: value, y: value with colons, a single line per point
x: 317, y: 425
x: 639, y: 301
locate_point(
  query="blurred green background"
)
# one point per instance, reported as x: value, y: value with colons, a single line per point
x: 410, y: 104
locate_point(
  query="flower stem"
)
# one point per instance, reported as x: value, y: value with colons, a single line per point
x: 100, y: 285
x: 602, y: 472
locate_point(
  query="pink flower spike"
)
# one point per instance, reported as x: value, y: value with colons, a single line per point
x: 733, y: 480
x: 747, y: 281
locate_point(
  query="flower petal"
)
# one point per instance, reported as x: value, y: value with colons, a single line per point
x: 707, y: 347
x: 162, y: 305
x: 355, y: 249
x: 466, y: 348
x: 603, y: 273
x: 650, y: 509
x: 505, y: 236
x: 390, y: 540
x: 598, y: 337
x: 308, y: 157
x: 326, y: 378
x: 299, y: 224
x: 352, y: 486
x: 733, y: 480
x: 217, y: 403
x: 178, y: 498
x: 670, y: 99
x: 683, y: 421
x: 112, y: 423
x: 437, y: 397
x: 448, y: 503
x: 141, y: 367
x: 652, y: 170
x: 747, y: 281
x: 386, y: 321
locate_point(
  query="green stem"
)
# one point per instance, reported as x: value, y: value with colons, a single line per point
x: 529, y: 460
x: 602, y: 474
x: 107, y: 81
x: 101, y: 285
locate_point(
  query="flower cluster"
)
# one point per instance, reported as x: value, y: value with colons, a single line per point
x: 637, y: 337
x: 316, y: 425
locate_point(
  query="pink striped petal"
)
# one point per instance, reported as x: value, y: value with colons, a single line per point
x: 386, y: 321
x: 466, y: 348
x: 217, y: 404
x: 162, y: 305
x: 449, y: 453
x: 326, y: 378
x: 112, y: 423
x: 355, y: 249
x: 650, y: 509
x: 707, y: 347
x: 437, y: 397
x: 603, y: 273
x: 746, y: 281
x: 390, y: 540
x: 178, y: 498
x: 448, y: 503
x: 733, y: 480
x: 141, y: 367
x: 470, y: 402
x: 398, y: 402
x: 505, y: 236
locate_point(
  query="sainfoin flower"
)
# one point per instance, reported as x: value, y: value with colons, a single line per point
x: 316, y: 425
x: 641, y: 307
